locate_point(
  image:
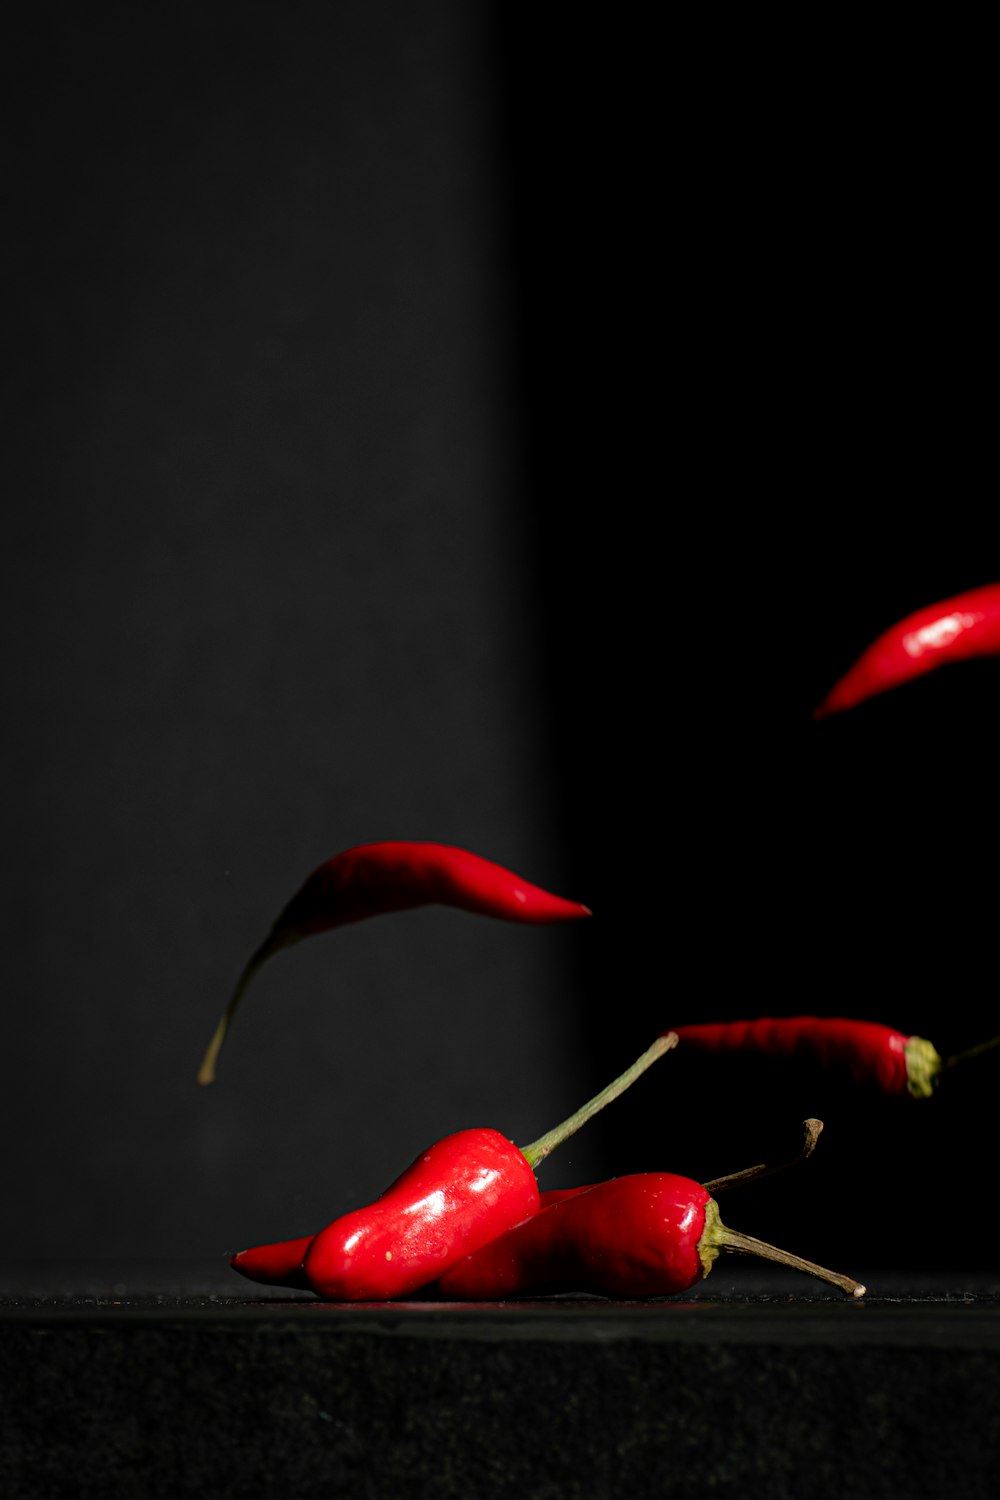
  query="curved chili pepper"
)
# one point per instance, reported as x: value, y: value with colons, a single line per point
x: 458, y: 1194
x: 870, y: 1053
x: 954, y: 629
x: 650, y: 1234
x: 373, y: 879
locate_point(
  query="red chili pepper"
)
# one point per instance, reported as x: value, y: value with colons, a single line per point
x: 954, y: 629
x: 373, y: 879
x: 651, y: 1234
x: 871, y: 1053
x: 455, y: 1197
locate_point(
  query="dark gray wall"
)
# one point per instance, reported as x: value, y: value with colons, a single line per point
x: 435, y: 422
x: 265, y: 598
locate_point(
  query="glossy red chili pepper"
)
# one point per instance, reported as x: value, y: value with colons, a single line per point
x: 457, y: 1195
x: 651, y: 1234
x: 374, y: 879
x: 954, y: 629
x: 869, y: 1052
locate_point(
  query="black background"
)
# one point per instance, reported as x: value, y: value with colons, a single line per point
x: 442, y: 422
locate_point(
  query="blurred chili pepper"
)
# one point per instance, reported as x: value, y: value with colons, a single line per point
x: 454, y: 1197
x: 374, y: 879
x: 650, y: 1234
x: 869, y: 1052
x: 954, y: 629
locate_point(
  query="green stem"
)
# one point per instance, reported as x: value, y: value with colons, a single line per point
x: 540, y: 1149
x: 976, y: 1051
x: 732, y: 1239
x: 764, y: 1169
x: 271, y: 944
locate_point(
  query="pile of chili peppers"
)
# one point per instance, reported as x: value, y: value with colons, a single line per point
x: 466, y: 1220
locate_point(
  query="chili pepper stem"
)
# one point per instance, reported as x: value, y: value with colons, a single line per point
x: 540, y: 1149
x: 812, y: 1129
x: 270, y: 946
x: 717, y: 1236
x: 969, y: 1052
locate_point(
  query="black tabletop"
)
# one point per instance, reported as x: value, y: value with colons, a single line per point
x: 170, y: 1380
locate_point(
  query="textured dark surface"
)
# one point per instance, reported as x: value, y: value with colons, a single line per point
x: 760, y: 1386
